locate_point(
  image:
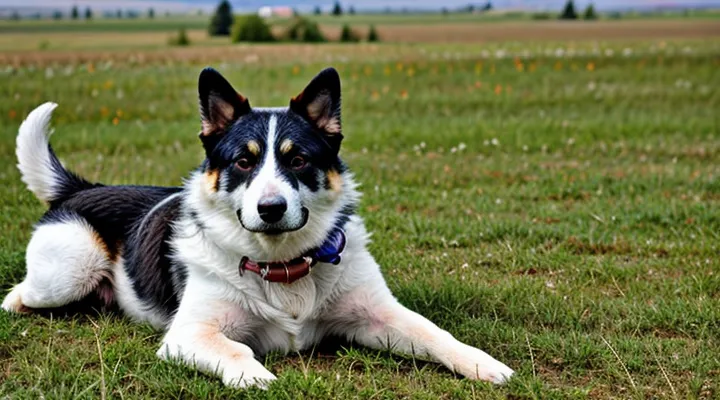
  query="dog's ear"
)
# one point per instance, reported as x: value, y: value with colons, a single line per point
x: 220, y: 105
x: 319, y: 104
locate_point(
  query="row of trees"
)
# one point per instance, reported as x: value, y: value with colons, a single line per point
x: 253, y: 28
x: 88, y: 14
x: 570, y: 13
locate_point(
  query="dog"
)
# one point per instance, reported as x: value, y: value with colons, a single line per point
x: 259, y: 250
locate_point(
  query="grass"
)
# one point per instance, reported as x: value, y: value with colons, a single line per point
x: 558, y: 210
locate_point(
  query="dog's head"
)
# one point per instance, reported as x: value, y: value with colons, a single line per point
x: 276, y: 169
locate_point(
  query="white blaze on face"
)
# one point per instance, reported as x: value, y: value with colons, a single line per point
x: 269, y: 182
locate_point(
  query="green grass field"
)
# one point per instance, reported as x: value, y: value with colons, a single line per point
x: 558, y: 209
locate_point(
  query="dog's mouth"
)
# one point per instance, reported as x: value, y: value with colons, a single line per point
x: 276, y: 229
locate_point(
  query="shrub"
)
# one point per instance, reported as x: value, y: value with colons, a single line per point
x: 373, y: 35
x: 251, y: 28
x: 181, y: 39
x: 541, y: 16
x: 348, y: 35
x: 304, y: 30
x: 222, y: 21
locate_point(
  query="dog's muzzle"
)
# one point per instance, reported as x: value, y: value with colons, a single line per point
x: 276, y: 228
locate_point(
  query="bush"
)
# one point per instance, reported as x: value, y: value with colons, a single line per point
x: 541, y: 16
x: 251, y: 28
x: 222, y: 21
x: 373, y: 35
x: 348, y: 35
x: 181, y: 39
x: 304, y: 30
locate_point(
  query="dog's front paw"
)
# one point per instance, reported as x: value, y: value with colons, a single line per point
x: 476, y: 364
x: 248, y: 374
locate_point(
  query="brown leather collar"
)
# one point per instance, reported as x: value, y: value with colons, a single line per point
x: 282, y: 272
x: 289, y: 271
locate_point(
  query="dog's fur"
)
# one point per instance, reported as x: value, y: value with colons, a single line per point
x: 170, y: 256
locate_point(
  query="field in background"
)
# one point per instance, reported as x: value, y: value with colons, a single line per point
x: 50, y: 37
x: 553, y: 202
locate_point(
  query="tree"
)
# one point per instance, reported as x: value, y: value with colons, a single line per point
x: 351, y: 10
x: 118, y: 14
x: 488, y: 6
x: 222, y: 21
x: 317, y: 11
x: 88, y: 13
x: 75, y: 13
x: 57, y: 15
x: 337, y: 9
x: 590, y: 14
x: 151, y: 13
x: 569, y: 11
x: 445, y: 11
x: 15, y: 16
x: 373, y: 35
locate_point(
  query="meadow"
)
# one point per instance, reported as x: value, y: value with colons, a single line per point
x: 553, y: 202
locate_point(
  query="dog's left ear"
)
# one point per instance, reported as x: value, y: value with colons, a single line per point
x: 319, y: 104
x: 220, y: 106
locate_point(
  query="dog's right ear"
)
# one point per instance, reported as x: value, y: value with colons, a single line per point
x: 220, y: 106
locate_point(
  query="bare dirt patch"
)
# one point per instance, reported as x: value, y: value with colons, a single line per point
x: 551, y: 30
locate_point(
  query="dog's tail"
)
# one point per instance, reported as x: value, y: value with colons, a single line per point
x: 41, y: 170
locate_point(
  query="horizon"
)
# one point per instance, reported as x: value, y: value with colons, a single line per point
x: 362, y: 6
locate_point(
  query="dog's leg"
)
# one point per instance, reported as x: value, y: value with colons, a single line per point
x: 66, y: 261
x: 197, y: 337
x: 371, y: 316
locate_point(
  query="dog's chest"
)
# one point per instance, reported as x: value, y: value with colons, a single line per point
x: 297, y: 300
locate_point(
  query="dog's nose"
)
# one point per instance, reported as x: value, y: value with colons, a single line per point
x: 272, y: 209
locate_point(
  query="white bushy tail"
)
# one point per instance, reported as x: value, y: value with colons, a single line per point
x: 41, y: 170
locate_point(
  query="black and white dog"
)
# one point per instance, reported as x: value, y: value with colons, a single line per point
x: 260, y: 250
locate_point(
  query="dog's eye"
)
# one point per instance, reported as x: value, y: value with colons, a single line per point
x: 298, y: 162
x: 245, y: 164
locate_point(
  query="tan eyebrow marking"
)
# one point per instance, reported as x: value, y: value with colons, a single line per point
x: 286, y: 146
x: 254, y: 147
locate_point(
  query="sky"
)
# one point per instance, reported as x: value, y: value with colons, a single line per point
x: 250, y: 5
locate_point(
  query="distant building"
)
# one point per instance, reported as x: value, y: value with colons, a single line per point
x: 283, y: 12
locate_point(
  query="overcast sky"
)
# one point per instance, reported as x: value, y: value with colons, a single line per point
x: 358, y: 4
